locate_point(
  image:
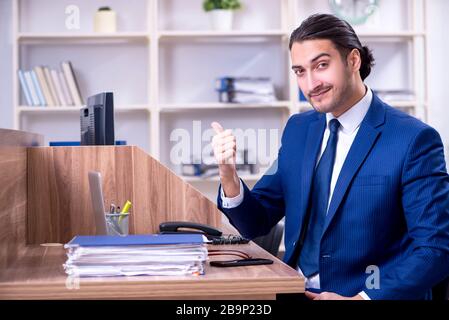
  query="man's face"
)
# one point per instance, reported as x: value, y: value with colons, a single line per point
x: 322, y: 74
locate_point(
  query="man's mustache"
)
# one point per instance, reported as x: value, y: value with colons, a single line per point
x: 319, y: 90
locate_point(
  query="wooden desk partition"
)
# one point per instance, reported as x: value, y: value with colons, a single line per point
x: 59, y: 202
x: 13, y: 191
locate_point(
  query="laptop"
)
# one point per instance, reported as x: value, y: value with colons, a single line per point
x: 96, y: 194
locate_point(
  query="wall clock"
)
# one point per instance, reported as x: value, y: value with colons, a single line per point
x: 354, y: 11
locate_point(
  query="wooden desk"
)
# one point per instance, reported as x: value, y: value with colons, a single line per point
x: 45, y: 198
x: 39, y: 274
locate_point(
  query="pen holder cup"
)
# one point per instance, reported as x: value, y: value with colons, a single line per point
x: 117, y: 224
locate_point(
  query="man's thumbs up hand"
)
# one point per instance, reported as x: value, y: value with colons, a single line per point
x: 217, y: 127
x: 224, y: 146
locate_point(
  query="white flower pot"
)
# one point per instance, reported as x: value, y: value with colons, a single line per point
x: 221, y: 19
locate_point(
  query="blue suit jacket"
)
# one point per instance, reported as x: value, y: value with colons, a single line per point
x: 390, y: 207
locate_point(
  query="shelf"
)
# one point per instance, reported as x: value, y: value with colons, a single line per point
x: 221, y: 35
x: 244, y: 177
x: 176, y: 107
x: 121, y: 37
x: 404, y: 35
x: 44, y: 109
x: 143, y: 36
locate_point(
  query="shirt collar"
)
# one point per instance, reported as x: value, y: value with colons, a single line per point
x: 351, y: 119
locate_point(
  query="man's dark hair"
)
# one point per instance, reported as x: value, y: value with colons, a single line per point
x: 340, y: 32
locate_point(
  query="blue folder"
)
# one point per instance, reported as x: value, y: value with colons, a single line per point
x: 77, y: 143
x: 135, y: 240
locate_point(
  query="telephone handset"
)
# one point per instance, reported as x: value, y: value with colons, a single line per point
x: 189, y: 227
x: 216, y: 236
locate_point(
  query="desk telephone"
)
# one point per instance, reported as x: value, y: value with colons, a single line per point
x: 214, y: 235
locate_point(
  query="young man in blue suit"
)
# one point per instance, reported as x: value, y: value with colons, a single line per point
x: 363, y: 187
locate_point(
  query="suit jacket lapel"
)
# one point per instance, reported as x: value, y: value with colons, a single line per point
x: 363, y: 143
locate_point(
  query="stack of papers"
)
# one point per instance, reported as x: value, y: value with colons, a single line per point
x: 167, y: 254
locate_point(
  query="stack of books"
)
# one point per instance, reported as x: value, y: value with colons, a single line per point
x: 133, y: 255
x: 245, y: 90
x: 43, y: 86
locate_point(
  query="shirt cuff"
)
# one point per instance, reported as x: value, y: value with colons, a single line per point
x: 230, y: 203
x: 364, y: 295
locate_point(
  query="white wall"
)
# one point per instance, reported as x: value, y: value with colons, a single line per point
x: 6, y: 109
x: 438, y: 115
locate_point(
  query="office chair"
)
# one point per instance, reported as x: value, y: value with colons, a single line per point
x: 272, y: 240
x: 441, y: 290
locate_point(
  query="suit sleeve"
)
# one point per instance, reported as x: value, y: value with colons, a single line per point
x: 425, y: 199
x: 263, y: 206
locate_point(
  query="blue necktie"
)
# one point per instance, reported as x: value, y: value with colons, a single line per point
x: 319, y: 198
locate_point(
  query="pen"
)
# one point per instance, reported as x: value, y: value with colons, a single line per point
x: 125, y: 209
x: 112, y: 208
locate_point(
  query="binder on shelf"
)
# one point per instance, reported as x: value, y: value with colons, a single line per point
x: 25, y: 89
x: 245, y: 90
x: 261, y: 85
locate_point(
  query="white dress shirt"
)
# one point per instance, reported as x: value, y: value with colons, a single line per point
x: 349, y: 126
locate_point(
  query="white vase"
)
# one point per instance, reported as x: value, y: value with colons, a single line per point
x: 221, y: 19
x: 105, y: 21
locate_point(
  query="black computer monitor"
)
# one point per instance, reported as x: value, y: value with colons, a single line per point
x: 97, y: 120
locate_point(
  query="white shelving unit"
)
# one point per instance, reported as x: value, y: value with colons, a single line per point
x: 163, y: 61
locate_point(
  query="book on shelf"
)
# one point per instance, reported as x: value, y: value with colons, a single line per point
x: 51, y: 86
x: 72, y: 82
x: 58, y: 87
x: 24, y: 86
x: 38, y: 88
x: 65, y: 89
x: 133, y: 255
x: 43, y: 86
x: 31, y: 87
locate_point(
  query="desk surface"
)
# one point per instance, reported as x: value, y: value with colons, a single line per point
x: 39, y: 274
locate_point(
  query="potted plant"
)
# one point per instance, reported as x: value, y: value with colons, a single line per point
x: 221, y: 12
